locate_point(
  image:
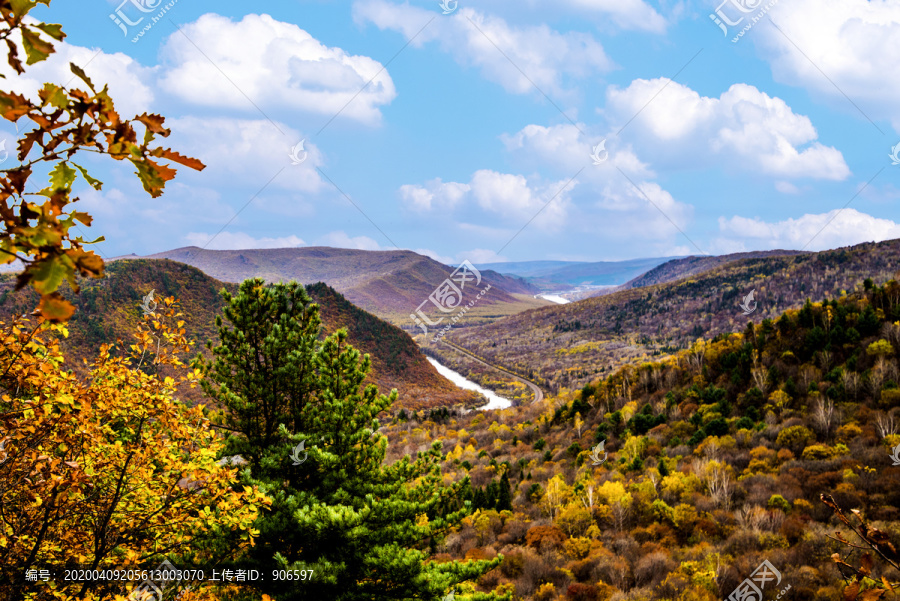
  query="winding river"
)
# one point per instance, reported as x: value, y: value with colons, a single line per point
x: 495, y: 401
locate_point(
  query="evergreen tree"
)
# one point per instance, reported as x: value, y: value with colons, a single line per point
x: 504, y: 497
x: 363, y: 528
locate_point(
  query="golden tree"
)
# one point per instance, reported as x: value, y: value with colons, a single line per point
x: 114, y: 473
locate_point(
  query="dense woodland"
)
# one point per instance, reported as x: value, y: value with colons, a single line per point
x: 718, y: 456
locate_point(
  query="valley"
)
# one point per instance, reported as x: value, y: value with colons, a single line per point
x: 379, y: 300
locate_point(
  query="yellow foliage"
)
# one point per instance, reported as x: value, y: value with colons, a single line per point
x: 119, y: 450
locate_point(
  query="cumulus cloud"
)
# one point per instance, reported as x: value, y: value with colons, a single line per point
x: 539, y: 54
x: 341, y: 239
x: 743, y: 129
x: 511, y: 197
x: 242, y: 150
x: 130, y: 83
x: 435, y: 194
x: 240, y: 241
x: 627, y: 14
x: 567, y: 150
x: 811, y: 231
x: 856, y: 43
x: 275, y: 64
x: 622, y: 184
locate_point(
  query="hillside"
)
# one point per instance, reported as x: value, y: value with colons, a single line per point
x: 569, y: 345
x: 678, y: 269
x: 108, y: 309
x: 552, y: 276
x: 713, y: 461
x: 390, y: 284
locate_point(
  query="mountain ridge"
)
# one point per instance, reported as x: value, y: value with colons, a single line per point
x: 391, y: 283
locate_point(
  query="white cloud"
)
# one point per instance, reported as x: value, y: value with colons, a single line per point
x: 240, y: 241
x: 130, y: 83
x: 544, y: 55
x: 275, y: 64
x: 435, y: 194
x: 512, y: 197
x: 436, y: 256
x: 744, y: 129
x: 787, y: 188
x: 237, y: 151
x: 564, y: 148
x: 622, y: 184
x: 855, y: 43
x: 482, y: 255
x: 627, y: 14
x: 813, y: 232
x: 340, y: 239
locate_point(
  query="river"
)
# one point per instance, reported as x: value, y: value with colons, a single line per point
x: 495, y: 401
x: 554, y: 298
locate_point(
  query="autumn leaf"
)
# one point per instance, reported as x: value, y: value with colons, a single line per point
x: 13, y: 106
x: 153, y: 123
x: 55, y: 308
x: 170, y: 154
x: 36, y: 48
x: 81, y: 75
x: 95, y: 183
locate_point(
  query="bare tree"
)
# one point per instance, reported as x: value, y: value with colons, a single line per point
x: 620, y: 512
x: 886, y: 424
x: 712, y: 450
x: 808, y: 375
x: 876, y: 378
x: 891, y: 333
x: 751, y: 517
x: 720, y: 486
x: 761, y: 379
x: 645, y: 379
x: 587, y: 499
x: 696, y: 357
x: 823, y: 416
x: 825, y: 359
x: 850, y: 380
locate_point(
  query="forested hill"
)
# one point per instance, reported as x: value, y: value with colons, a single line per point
x: 109, y: 308
x: 678, y: 269
x: 569, y: 345
x: 713, y: 461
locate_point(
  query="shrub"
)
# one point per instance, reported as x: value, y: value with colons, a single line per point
x: 778, y: 502
x: 745, y: 423
x: 795, y: 438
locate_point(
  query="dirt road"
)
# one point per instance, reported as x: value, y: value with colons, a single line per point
x: 538, y: 393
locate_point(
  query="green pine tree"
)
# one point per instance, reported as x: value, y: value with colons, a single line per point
x: 504, y: 496
x: 337, y: 510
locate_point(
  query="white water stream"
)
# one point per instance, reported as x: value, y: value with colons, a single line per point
x: 554, y: 298
x: 495, y: 401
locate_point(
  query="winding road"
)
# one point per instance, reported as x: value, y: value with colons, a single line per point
x: 538, y: 393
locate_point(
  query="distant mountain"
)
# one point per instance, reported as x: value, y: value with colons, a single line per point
x: 390, y: 284
x: 570, y: 345
x: 552, y: 276
x: 108, y: 308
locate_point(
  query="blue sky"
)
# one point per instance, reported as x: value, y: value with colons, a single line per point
x: 473, y: 138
